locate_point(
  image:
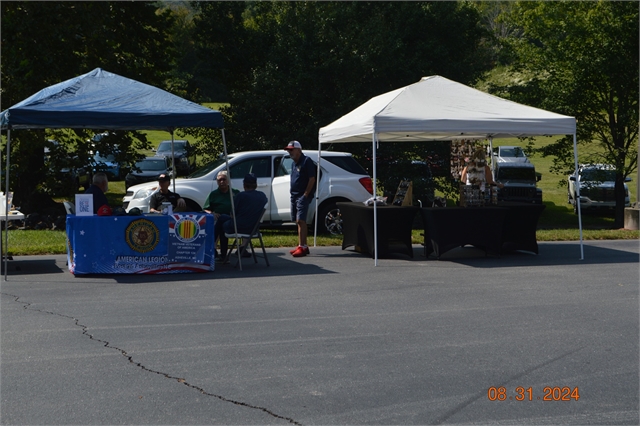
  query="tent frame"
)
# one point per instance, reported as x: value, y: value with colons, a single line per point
x: 365, y: 122
x: 39, y: 111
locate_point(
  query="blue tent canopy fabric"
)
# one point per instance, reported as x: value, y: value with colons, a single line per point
x: 103, y: 100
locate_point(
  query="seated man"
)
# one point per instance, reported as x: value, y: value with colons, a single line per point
x: 219, y: 200
x: 99, y: 185
x: 164, y: 195
x: 248, y: 208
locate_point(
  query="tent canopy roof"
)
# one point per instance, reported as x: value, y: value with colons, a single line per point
x: 436, y: 108
x: 103, y: 100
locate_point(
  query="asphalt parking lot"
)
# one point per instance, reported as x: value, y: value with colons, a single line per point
x: 329, y: 339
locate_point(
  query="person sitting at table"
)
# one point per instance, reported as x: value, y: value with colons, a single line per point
x: 248, y: 205
x: 163, y: 195
x: 98, y: 187
x: 219, y: 200
x: 477, y: 172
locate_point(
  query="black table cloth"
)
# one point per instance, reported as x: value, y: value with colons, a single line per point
x: 520, y: 224
x: 495, y: 229
x: 394, y: 228
x: 450, y: 227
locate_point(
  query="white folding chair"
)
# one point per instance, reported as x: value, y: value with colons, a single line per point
x: 242, y: 241
x: 69, y: 207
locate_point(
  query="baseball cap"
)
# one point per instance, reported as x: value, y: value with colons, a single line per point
x: 164, y: 178
x: 135, y: 212
x: 250, y: 178
x: 104, y: 210
x: 293, y: 145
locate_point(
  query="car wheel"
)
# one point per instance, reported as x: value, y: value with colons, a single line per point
x: 330, y: 219
x: 192, y: 206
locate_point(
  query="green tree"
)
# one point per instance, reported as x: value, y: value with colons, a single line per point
x: 581, y: 59
x: 44, y: 43
x: 293, y: 67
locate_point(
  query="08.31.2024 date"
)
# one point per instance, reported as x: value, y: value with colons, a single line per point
x: 549, y: 393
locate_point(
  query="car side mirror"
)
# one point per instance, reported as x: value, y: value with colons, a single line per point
x: 572, y: 178
x: 627, y: 179
x: 538, y: 177
x: 153, y: 150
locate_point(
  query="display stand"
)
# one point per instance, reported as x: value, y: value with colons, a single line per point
x: 404, y: 194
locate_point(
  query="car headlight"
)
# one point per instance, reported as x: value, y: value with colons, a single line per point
x: 144, y: 193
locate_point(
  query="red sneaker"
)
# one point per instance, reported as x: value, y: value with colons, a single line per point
x: 300, y: 252
x: 306, y: 250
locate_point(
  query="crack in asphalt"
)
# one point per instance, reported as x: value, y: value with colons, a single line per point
x: 139, y: 365
x: 473, y: 399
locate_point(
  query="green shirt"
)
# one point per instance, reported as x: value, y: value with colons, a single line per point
x: 219, y: 202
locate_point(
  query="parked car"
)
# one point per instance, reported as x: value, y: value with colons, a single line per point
x: 148, y: 170
x: 342, y: 179
x: 519, y: 180
x: 597, y: 187
x: 509, y: 153
x: 183, y: 152
x: 106, y: 164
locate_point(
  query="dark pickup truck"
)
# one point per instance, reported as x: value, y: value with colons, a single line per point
x: 519, y: 180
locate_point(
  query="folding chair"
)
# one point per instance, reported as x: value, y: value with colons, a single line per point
x: 245, y: 240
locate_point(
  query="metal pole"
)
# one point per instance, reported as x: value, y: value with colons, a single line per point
x: 315, y: 228
x: 233, y: 207
x: 375, y: 208
x: 577, y: 199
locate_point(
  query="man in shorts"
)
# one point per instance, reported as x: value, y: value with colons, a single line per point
x: 303, y: 184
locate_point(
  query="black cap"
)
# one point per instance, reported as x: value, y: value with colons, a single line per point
x: 164, y: 178
x: 250, y: 178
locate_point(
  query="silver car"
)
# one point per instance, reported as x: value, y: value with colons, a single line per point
x: 342, y: 178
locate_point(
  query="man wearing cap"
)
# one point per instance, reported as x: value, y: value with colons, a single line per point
x: 99, y: 185
x: 303, y: 181
x: 248, y: 206
x: 219, y: 200
x: 163, y: 195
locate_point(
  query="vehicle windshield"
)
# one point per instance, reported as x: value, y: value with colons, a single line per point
x: 207, y: 168
x: 166, y: 146
x: 598, y: 175
x: 512, y: 152
x: 516, y: 173
x: 152, y: 165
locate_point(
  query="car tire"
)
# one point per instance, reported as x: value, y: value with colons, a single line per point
x: 192, y: 206
x: 330, y: 219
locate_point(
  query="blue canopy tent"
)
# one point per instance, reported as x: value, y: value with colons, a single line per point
x: 103, y: 100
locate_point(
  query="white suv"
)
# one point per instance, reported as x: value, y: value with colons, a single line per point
x: 597, y: 183
x: 341, y: 179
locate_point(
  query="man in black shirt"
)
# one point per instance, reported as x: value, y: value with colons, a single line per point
x: 163, y: 195
x: 99, y: 185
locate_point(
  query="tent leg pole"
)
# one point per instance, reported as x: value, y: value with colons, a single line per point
x: 5, y: 246
x: 315, y: 226
x: 375, y: 208
x: 577, y: 200
x: 233, y: 207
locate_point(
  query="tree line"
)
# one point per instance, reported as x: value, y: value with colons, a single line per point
x: 285, y: 69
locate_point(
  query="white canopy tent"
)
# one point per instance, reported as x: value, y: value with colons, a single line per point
x: 436, y: 108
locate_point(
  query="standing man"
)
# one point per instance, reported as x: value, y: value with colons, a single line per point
x: 163, y: 195
x: 99, y: 185
x: 303, y: 184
